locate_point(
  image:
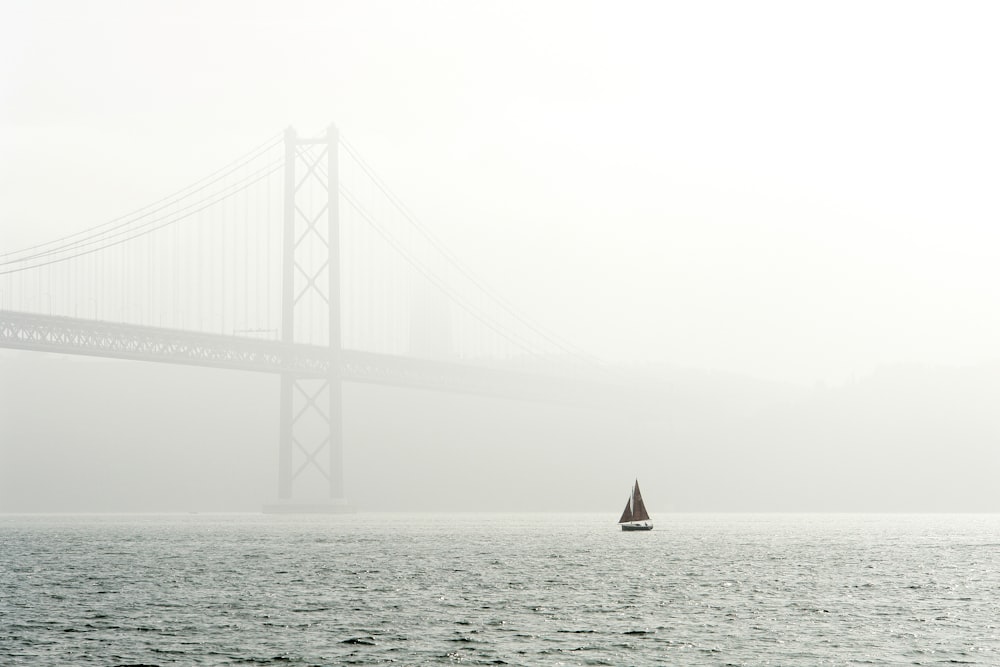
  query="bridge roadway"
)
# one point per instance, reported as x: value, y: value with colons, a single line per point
x: 68, y: 335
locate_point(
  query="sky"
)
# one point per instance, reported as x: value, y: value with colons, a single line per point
x: 803, y: 192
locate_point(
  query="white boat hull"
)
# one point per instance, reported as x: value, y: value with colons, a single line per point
x: 637, y: 526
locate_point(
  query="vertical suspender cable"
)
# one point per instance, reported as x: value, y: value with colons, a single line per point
x: 246, y: 259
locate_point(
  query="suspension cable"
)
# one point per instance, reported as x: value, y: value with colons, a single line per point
x: 154, y: 207
x: 163, y: 222
x: 448, y: 255
x: 434, y: 279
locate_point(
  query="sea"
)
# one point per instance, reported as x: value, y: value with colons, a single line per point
x: 499, y: 589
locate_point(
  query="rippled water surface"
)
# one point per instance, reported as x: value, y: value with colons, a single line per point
x: 499, y: 589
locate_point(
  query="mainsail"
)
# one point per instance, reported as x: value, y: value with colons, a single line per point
x: 639, y: 512
x: 635, y: 509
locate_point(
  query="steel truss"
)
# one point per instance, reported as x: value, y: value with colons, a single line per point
x: 68, y: 335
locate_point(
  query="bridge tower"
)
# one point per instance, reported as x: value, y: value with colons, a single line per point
x: 310, y: 442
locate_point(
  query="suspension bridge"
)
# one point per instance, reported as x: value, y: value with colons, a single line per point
x: 295, y: 259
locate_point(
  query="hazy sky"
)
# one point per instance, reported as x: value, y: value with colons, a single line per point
x: 799, y: 191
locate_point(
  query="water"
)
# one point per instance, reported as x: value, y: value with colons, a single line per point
x: 499, y: 589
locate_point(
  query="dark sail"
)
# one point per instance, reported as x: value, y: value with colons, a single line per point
x: 639, y: 512
x: 627, y: 514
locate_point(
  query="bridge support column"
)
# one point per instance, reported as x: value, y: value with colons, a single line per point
x: 311, y: 409
x: 336, y: 446
x: 310, y: 424
x: 285, y: 437
x: 336, y: 410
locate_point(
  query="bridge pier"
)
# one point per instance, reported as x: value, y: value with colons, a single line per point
x: 329, y: 435
x: 310, y: 425
x: 311, y: 409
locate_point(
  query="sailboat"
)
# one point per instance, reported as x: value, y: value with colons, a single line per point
x: 635, y: 516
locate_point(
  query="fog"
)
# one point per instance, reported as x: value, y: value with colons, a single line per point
x: 776, y: 221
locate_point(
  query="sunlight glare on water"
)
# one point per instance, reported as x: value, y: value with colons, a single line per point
x: 529, y: 589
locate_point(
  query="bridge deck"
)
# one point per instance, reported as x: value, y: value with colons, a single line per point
x: 67, y: 335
